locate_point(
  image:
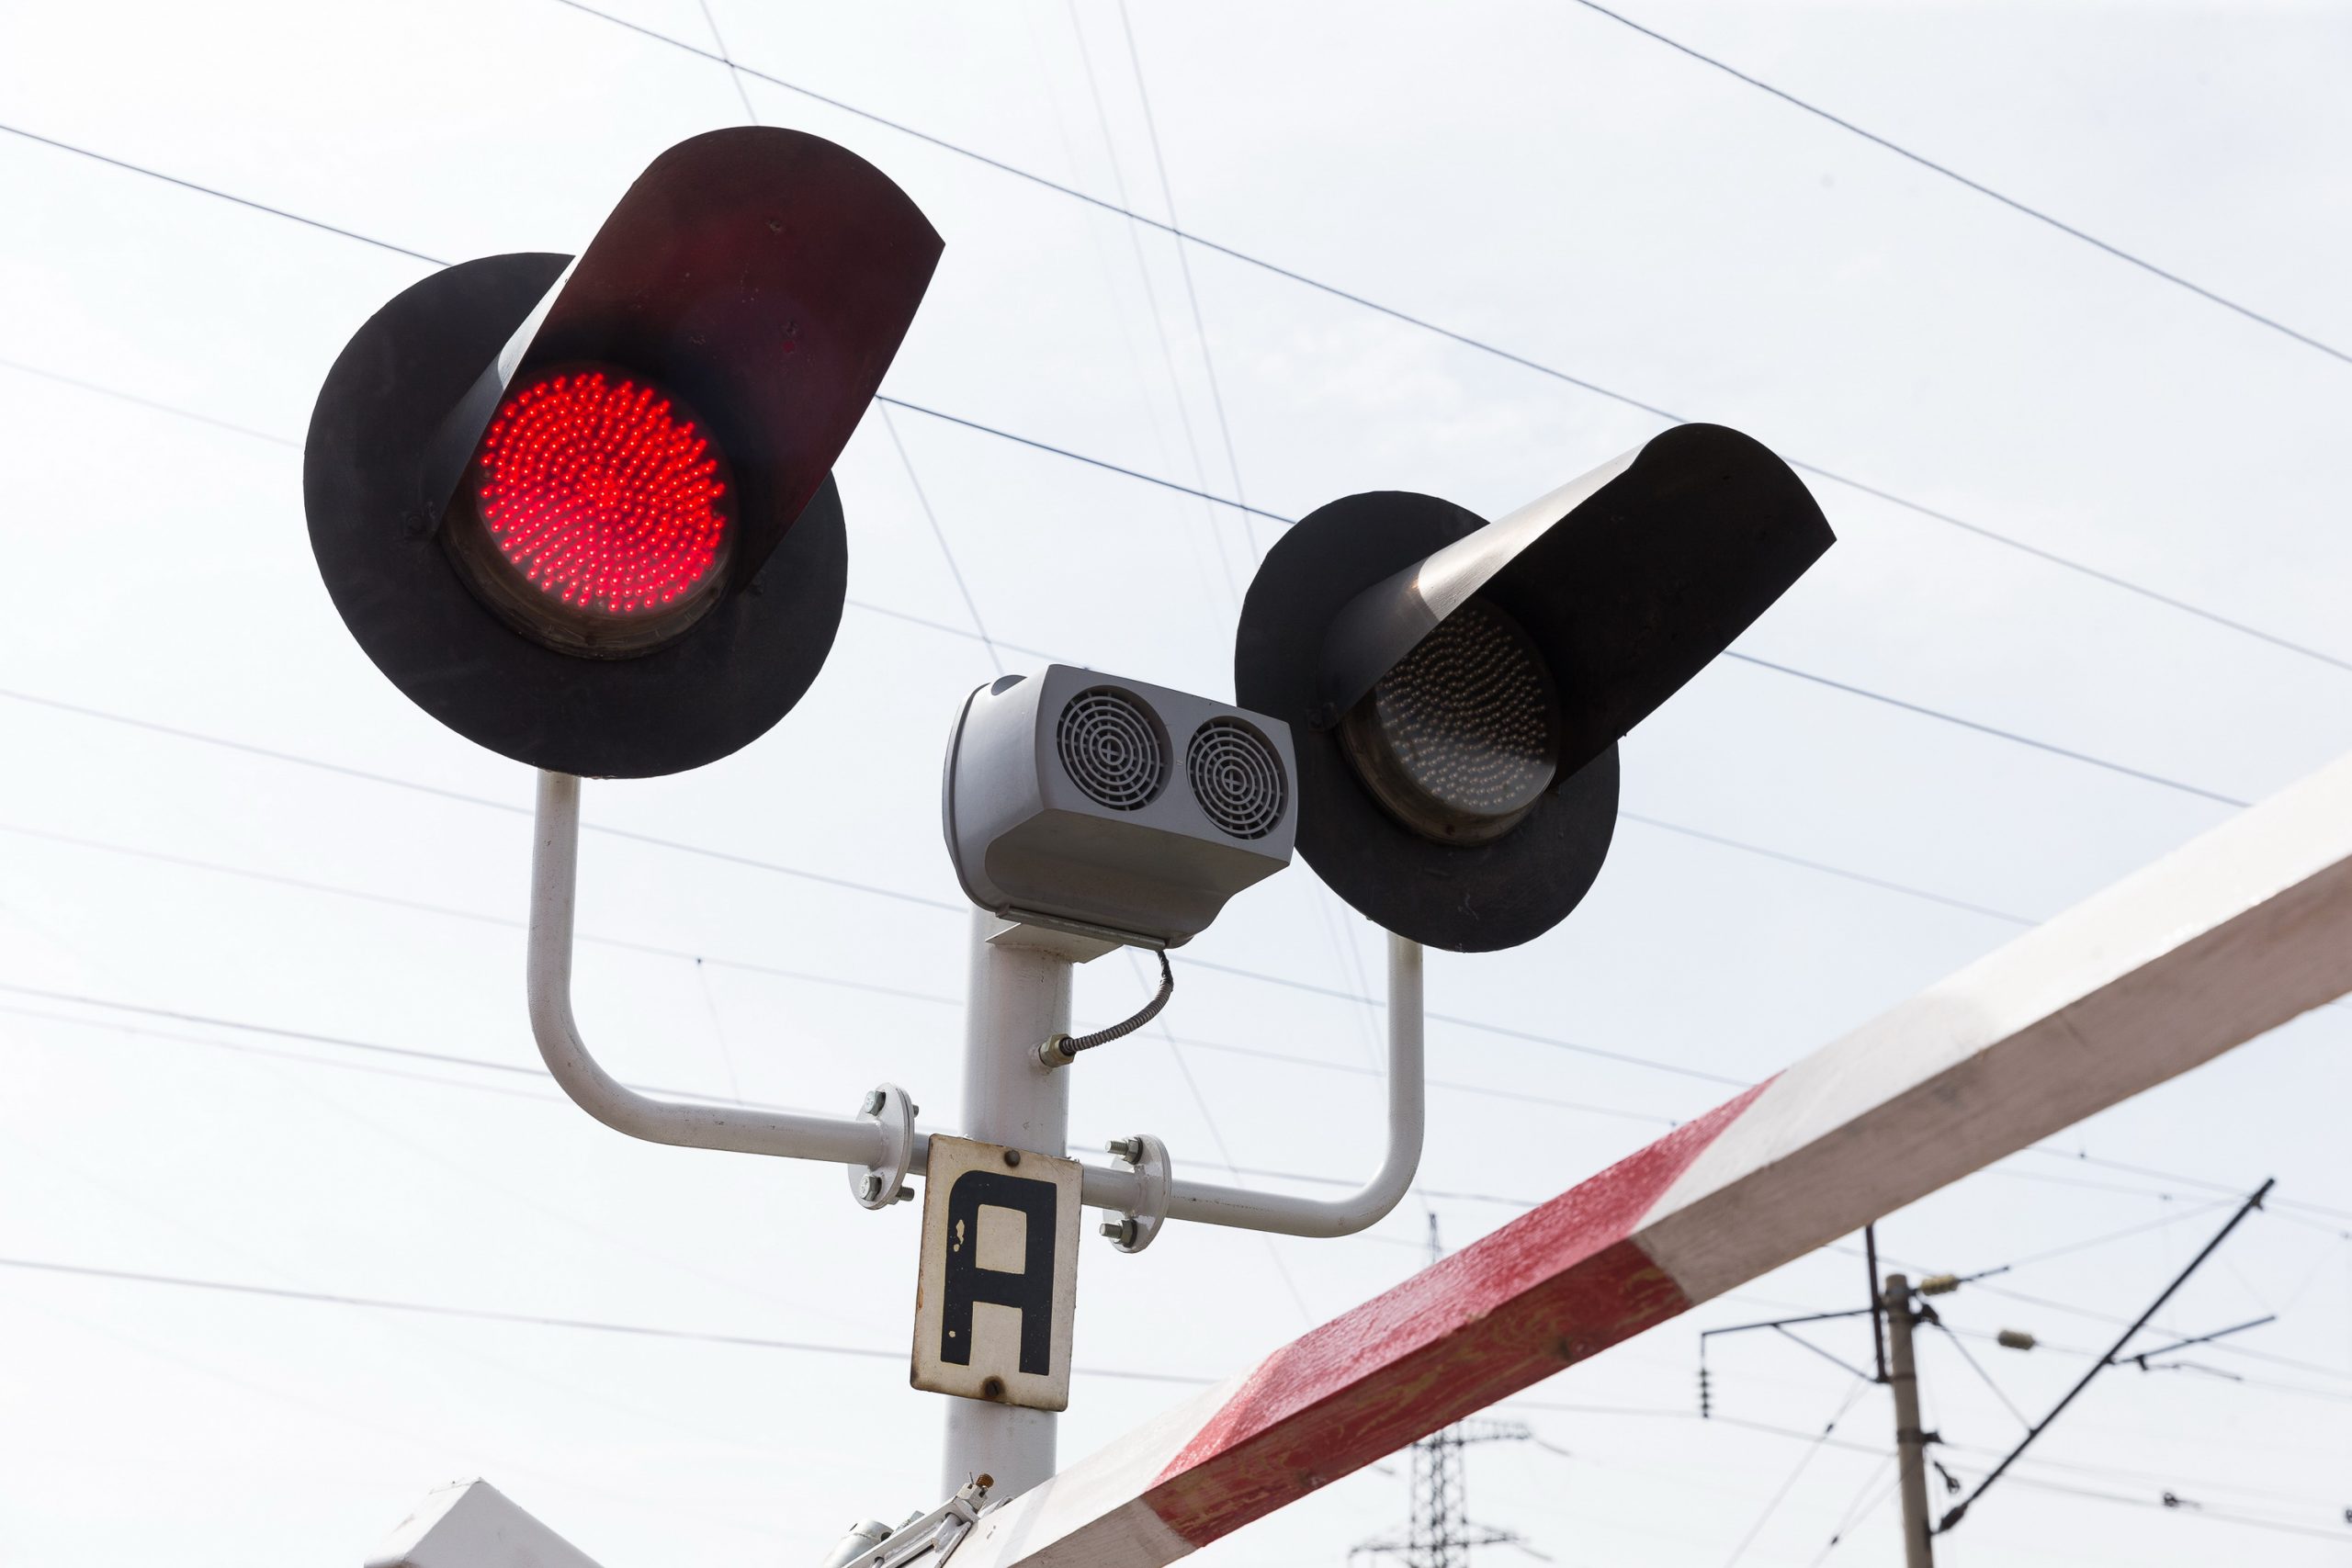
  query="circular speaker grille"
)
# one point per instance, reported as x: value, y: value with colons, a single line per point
x: 1237, y: 777
x: 1110, y: 746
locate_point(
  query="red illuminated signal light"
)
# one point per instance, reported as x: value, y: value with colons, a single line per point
x: 602, y: 517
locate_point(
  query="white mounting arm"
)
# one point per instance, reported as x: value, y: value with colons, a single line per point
x: 555, y: 860
x: 868, y: 1141
x: 1209, y: 1204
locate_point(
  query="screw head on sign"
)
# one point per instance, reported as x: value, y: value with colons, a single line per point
x: 993, y: 1388
x: 1012, y: 1157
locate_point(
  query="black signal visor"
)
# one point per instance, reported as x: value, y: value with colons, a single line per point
x: 578, y: 509
x: 761, y: 275
x: 1456, y: 687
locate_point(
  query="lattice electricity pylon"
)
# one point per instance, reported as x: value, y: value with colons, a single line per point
x: 1439, y: 1536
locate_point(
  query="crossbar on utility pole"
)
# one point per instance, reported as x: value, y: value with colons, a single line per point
x: 2248, y: 1207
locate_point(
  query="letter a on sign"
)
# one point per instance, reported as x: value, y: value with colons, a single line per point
x: 998, y: 1287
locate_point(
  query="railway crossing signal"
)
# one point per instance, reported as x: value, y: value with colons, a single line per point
x: 580, y: 509
x: 1457, y: 688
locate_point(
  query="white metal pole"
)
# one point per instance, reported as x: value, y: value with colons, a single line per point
x: 1017, y: 997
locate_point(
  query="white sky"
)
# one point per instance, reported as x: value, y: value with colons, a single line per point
x: 1534, y: 175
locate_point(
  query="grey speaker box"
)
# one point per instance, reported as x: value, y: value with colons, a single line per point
x: 1110, y: 808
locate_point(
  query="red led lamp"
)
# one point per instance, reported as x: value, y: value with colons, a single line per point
x: 597, y: 516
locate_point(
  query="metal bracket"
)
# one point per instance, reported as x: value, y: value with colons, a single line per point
x: 1134, y: 1230
x: 879, y: 1186
x: 929, y: 1536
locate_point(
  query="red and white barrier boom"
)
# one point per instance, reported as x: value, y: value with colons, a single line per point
x: 2224, y: 938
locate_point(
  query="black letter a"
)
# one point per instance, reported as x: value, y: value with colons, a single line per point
x: 1029, y: 1292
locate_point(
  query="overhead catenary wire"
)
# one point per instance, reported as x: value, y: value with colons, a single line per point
x: 61, y: 1267
x: 531, y: 1320
x: 1467, y: 340
x: 1647, y: 1062
x: 733, y: 75
x: 489, y: 1064
x: 939, y: 535
x: 1782, y: 669
x: 1848, y: 1445
x: 1184, y: 269
x: 2038, y: 215
x: 1796, y: 1475
x: 532, y: 1071
x: 1737, y: 656
x: 338, y: 230
x: 1880, y: 492
x: 1151, y: 299
x: 1668, y: 826
x: 1283, y: 1174
x: 417, y: 906
x: 292, y: 217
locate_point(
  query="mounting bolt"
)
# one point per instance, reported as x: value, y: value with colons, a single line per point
x: 870, y: 1188
x: 1128, y: 1149
x: 874, y: 1102
x: 904, y: 1193
x: 1122, y: 1230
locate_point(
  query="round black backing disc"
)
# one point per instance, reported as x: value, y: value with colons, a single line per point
x: 720, y: 686
x: 1473, y: 899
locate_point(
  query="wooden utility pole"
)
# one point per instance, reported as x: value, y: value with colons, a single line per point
x: 1910, y: 1442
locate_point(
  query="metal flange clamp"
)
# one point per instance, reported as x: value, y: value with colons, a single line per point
x: 879, y: 1186
x: 1134, y: 1231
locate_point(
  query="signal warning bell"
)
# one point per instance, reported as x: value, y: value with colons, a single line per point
x: 1457, y: 688
x: 580, y: 509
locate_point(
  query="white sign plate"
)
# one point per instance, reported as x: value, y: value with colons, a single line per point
x: 998, y: 1289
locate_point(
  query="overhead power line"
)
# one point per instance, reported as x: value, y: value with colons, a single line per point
x: 1359, y: 998
x: 982, y: 635
x: 1184, y: 267
x: 992, y: 644
x: 1980, y: 187
x: 1795, y: 1435
x: 534, y: 1072
x: 1787, y: 670
x: 173, y: 409
x: 1467, y: 341
x: 1835, y: 477
x: 1032, y: 442
x: 528, y: 1320
x: 225, y: 196
x: 2011, y: 736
